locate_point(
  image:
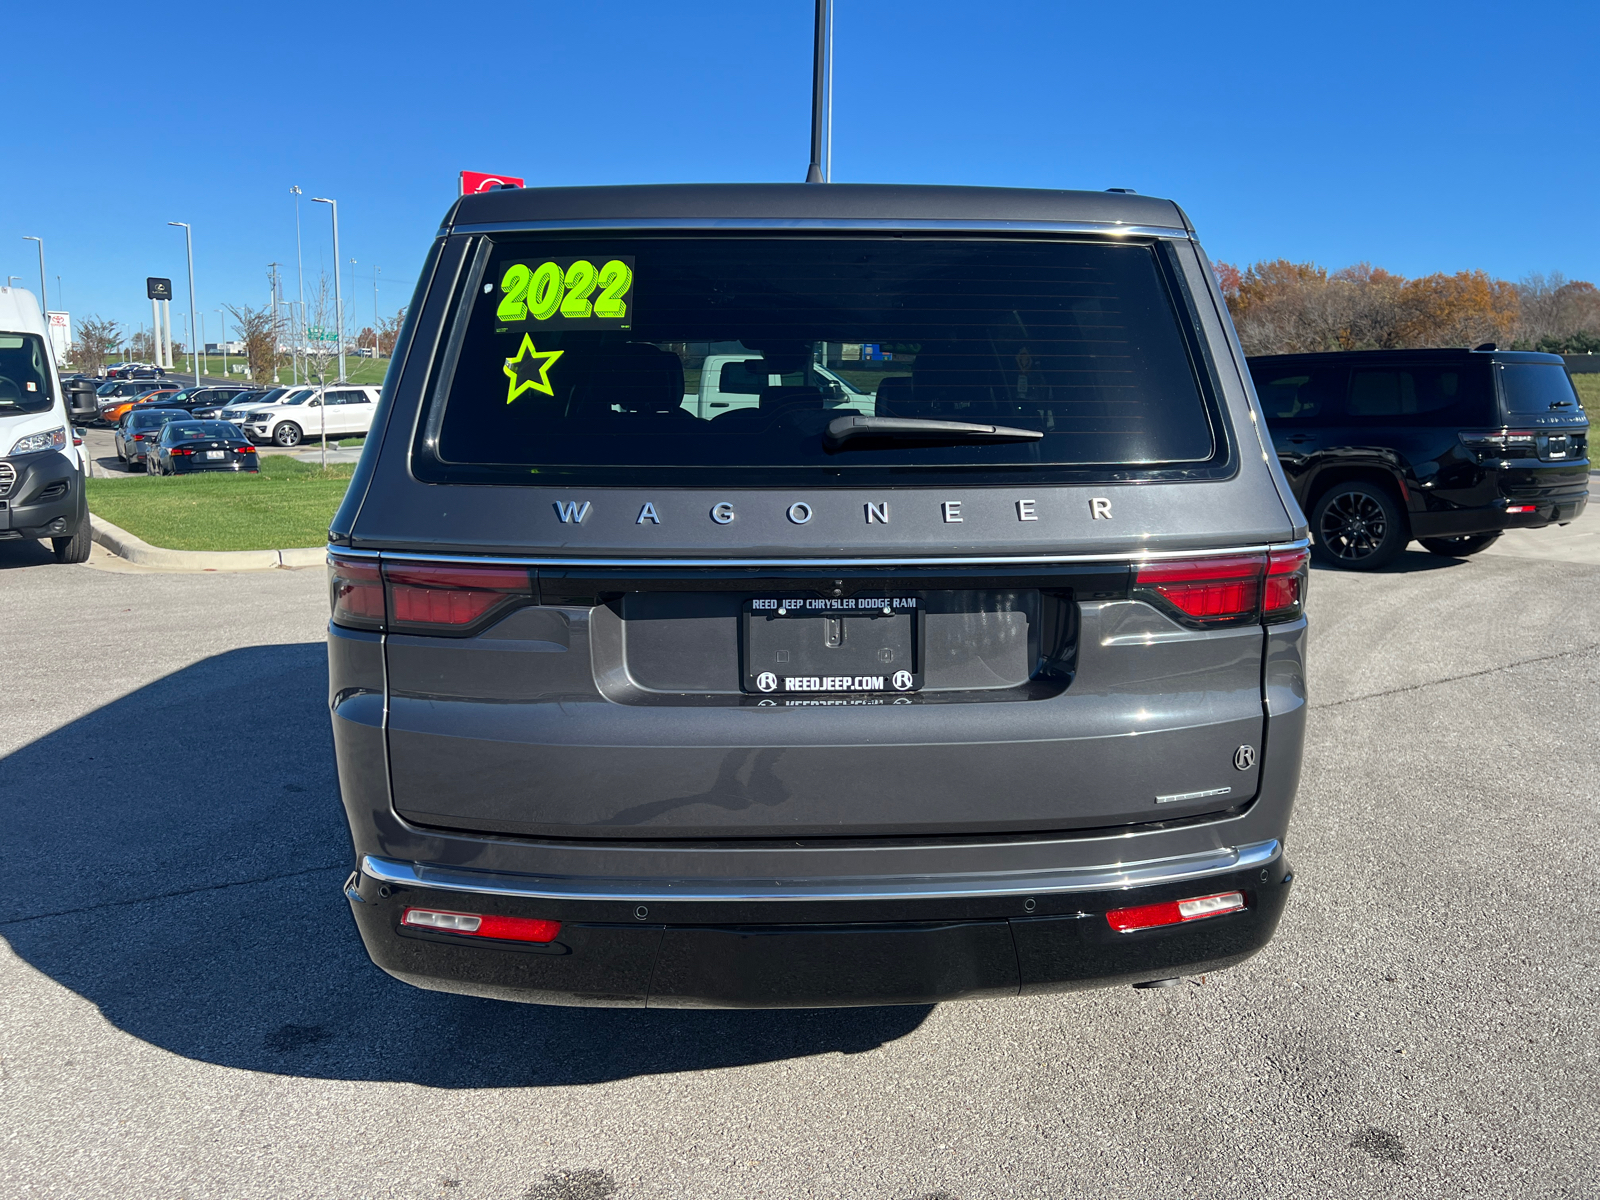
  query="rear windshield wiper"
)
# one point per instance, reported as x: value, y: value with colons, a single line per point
x: 842, y: 429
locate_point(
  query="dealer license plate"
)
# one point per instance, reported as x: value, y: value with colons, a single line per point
x: 216, y: 454
x: 810, y: 645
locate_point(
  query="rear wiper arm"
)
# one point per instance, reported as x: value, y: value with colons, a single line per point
x: 842, y: 429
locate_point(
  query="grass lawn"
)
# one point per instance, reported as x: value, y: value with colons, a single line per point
x: 357, y: 370
x: 1588, y: 386
x: 288, y: 504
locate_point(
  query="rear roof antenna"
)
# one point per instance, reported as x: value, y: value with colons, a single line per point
x: 821, y: 168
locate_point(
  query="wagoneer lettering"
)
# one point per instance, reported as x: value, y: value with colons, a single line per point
x: 791, y: 752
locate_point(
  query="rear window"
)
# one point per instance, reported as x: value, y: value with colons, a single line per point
x: 693, y: 359
x: 24, y: 374
x: 190, y: 431
x: 1537, y: 389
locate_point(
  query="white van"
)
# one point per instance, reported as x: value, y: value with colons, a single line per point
x: 41, y: 468
x: 733, y: 381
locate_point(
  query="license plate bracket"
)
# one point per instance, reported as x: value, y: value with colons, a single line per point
x: 809, y: 646
x: 214, y: 454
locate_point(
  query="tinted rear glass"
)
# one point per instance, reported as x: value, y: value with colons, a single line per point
x: 706, y: 359
x: 1537, y: 389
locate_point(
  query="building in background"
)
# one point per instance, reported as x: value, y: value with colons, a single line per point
x: 60, y: 326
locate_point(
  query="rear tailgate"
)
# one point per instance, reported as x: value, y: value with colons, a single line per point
x: 615, y: 704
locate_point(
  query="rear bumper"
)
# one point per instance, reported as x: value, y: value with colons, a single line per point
x: 801, y: 944
x: 1547, y: 510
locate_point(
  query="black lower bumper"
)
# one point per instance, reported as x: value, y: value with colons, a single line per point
x: 602, y: 958
x: 1462, y: 522
x: 45, y: 500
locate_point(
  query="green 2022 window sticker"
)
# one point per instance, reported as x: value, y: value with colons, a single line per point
x: 590, y: 293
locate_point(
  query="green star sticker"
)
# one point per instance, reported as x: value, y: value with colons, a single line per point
x: 530, y: 369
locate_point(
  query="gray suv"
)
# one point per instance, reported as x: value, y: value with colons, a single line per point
x: 960, y: 653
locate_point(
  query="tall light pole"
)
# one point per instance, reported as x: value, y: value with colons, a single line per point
x: 338, y: 295
x: 222, y: 340
x: 188, y: 241
x: 375, y: 271
x: 300, y: 274
x: 44, y: 295
x: 9, y: 278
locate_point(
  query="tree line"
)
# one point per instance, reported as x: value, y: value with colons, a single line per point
x: 1283, y: 307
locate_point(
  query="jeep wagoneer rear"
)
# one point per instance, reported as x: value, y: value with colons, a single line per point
x: 963, y: 657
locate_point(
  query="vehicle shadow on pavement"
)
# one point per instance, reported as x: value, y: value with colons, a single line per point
x: 1407, y: 563
x: 25, y: 553
x: 176, y: 858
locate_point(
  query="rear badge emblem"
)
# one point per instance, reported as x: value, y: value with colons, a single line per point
x: 767, y: 681
x: 1244, y: 757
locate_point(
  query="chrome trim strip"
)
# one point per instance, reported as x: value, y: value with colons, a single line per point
x: 989, y: 560
x: 900, y: 225
x: 1108, y: 877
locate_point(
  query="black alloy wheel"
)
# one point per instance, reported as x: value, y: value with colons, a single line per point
x: 287, y: 434
x: 1358, y: 527
x: 1460, y: 547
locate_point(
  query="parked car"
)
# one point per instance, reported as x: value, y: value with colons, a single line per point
x: 312, y: 412
x: 205, y: 398
x: 239, y: 407
x: 120, y: 393
x: 138, y: 431
x: 187, y: 447
x: 134, y: 370
x: 156, y: 396
x: 41, y: 457
x: 237, y: 401
x: 1447, y: 447
x: 998, y: 688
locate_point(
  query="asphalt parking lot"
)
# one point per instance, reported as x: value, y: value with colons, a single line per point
x: 186, y: 1011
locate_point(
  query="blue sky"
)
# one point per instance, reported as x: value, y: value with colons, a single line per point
x: 1420, y: 137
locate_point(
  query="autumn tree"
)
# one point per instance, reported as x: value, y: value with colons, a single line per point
x: 261, y: 332
x: 1464, y: 309
x: 98, y: 339
x: 389, y: 333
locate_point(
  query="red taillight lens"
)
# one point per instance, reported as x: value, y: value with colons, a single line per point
x: 452, y: 599
x: 356, y: 591
x: 181, y: 450
x: 138, y: 437
x: 506, y: 929
x: 1205, y: 591
x: 1234, y: 589
x: 1174, y: 912
x: 244, y: 449
x: 1287, y: 573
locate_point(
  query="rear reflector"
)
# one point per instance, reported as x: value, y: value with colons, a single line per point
x: 1522, y: 508
x: 506, y: 929
x: 1174, y: 912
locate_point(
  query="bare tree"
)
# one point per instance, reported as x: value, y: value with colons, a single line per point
x: 321, y: 351
x: 98, y: 338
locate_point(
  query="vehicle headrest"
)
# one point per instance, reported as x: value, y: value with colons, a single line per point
x: 636, y: 378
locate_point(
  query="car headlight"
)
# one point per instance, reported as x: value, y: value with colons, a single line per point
x: 50, y: 439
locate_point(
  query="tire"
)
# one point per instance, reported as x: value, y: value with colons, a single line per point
x: 74, y: 549
x: 1358, y: 526
x: 1459, y: 547
x: 287, y: 434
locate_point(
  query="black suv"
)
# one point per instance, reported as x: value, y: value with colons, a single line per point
x: 1449, y: 447
x: 962, y: 656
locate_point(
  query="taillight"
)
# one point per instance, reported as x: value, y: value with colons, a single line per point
x: 138, y: 437
x: 1287, y: 574
x: 1205, y: 591
x: 484, y: 925
x: 450, y: 599
x: 355, y: 588
x: 1233, y: 589
x: 1490, y: 444
x: 244, y: 449
x: 1174, y: 912
x: 181, y: 450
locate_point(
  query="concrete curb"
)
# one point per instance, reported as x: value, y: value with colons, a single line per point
x: 135, y: 550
